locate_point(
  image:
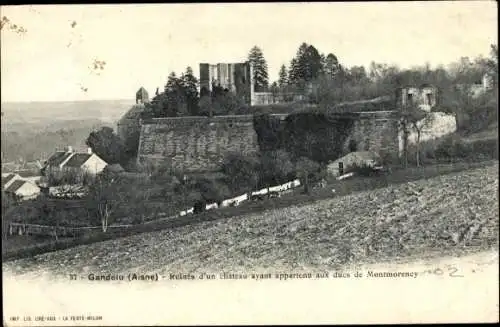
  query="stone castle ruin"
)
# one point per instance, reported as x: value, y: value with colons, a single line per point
x: 199, y: 144
x: 238, y: 78
x: 142, y: 96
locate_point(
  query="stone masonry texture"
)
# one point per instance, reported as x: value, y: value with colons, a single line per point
x: 196, y: 144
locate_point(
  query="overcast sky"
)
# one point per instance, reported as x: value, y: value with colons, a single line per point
x: 141, y: 44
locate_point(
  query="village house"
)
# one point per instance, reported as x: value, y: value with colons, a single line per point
x: 20, y: 190
x: 69, y: 162
x: 8, y: 179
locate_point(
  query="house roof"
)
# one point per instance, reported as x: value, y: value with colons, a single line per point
x: 8, y: 178
x: 77, y: 160
x: 28, y: 173
x: 32, y: 165
x: 57, y: 158
x: 16, y: 185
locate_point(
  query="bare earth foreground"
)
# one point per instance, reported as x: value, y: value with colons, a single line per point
x: 431, y: 230
x: 450, y: 215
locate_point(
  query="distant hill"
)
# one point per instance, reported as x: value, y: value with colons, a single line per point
x: 45, y: 113
x: 32, y: 130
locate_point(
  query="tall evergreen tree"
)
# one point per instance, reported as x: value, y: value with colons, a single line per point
x: 293, y: 72
x: 176, y: 98
x: 283, y: 77
x: 306, y: 66
x: 311, y: 64
x: 190, y: 89
x: 297, y: 65
x: 260, y: 73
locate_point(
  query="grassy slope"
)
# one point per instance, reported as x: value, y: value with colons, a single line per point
x: 446, y: 214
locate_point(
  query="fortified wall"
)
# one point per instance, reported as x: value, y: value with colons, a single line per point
x: 374, y: 131
x: 199, y: 144
x: 325, y: 138
x: 196, y: 144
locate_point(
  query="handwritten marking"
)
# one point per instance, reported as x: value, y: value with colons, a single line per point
x: 451, y: 270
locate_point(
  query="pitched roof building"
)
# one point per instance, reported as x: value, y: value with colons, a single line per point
x: 8, y: 179
x: 23, y: 190
x: 76, y: 161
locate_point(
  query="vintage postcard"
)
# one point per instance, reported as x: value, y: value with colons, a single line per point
x: 249, y: 163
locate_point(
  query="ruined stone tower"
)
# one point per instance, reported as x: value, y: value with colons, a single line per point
x: 141, y: 97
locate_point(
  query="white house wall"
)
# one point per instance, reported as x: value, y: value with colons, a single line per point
x: 94, y: 165
x: 28, y: 191
x: 441, y: 125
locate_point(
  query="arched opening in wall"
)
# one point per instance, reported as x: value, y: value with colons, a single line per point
x: 410, y: 99
x: 429, y: 99
x: 353, y: 147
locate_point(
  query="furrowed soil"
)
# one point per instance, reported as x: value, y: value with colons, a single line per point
x: 449, y: 215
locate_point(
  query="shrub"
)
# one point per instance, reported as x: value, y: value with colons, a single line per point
x: 276, y: 167
x: 211, y: 190
x: 454, y: 147
x: 242, y: 171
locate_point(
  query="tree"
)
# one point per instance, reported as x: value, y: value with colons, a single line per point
x: 104, y: 197
x: 242, y: 171
x: 205, y: 106
x: 190, y: 89
x: 283, y: 78
x: 492, y: 64
x: 308, y: 64
x: 306, y: 167
x: 211, y: 190
x: 275, y: 167
x: 293, y: 72
x: 139, y: 201
x: 416, y: 119
x: 260, y: 74
x: 357, y: 75
x: 107, y: 145
x: 332, y: 66
x: 311, y: 64
x: 323, y: 63
x: 176, y: 97
x: 225, y: 103
x: 296, y: 73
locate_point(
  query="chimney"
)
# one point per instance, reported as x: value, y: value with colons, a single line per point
x: 69, y: 149
x: 89, y: 150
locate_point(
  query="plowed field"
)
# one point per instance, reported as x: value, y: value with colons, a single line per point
x: 450, y: 214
